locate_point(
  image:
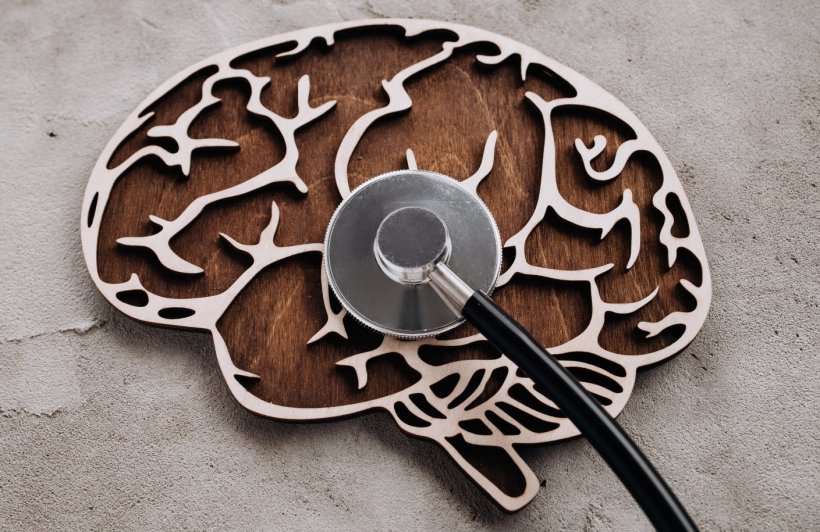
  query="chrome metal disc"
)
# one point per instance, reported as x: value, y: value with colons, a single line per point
x: 408, y: 309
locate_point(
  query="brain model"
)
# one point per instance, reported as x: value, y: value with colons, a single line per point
x: 207, y: 211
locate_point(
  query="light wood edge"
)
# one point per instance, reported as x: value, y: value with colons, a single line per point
x: 207, y: 310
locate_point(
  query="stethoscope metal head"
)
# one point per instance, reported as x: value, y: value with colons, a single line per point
x: 410, y: 243
x: 392, y: 233
x: 413, y: 253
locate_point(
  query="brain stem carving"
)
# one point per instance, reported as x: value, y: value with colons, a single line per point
x: 184, y: 228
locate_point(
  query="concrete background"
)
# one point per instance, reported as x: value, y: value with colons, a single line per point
x: 105, y: 423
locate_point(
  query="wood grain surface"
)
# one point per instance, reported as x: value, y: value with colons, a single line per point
x: 455, y: 107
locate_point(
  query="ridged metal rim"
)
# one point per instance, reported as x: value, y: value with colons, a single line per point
x: 359, y: 317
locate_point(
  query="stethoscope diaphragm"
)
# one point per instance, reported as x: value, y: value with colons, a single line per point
x: 422, y: 217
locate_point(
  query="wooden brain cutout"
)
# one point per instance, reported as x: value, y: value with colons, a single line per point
x: 207, y: 211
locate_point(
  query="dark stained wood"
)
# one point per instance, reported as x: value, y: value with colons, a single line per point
x: 455, y: 108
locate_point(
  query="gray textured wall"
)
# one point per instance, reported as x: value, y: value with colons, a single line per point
x: 106, y: 423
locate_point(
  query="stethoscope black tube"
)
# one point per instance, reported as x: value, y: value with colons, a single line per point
x: 627, y: 461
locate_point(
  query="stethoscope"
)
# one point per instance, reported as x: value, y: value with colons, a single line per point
x: 413, y: 254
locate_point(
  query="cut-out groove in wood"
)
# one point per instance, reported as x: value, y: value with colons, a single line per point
x: 207, y: 211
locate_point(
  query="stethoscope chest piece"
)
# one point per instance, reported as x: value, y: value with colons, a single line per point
x: 386, y: 236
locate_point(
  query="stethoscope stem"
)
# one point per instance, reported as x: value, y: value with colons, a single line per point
x: 650, y: 491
